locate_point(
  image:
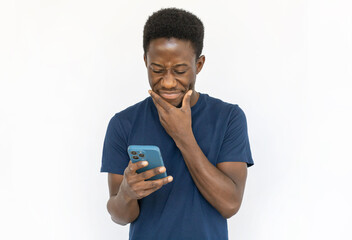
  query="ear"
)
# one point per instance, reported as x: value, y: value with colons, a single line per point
x: 145, y: 59
x: 200, y: 63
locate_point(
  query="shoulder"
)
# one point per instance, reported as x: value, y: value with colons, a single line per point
x: 121, y: 123
x: 131, y: 111
x: 221, y: 107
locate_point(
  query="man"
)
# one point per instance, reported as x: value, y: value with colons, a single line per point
x: 203, y: 142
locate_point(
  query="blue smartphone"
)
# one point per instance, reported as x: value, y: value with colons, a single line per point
x: 147, y: 153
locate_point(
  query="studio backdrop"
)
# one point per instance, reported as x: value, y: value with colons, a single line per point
x: 66, y: 67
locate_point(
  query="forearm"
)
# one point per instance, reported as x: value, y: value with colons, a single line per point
x: 217, y: 188
x: 123, y: 210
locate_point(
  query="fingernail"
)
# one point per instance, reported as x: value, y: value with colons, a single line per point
x: 190, y: 93
x: 144, y: 163
x: 170, y: 178
x: 162, y: 169
x: 149, y: 91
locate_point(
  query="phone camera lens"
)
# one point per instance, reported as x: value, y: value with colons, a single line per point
x: 141, y: 155
x: 135, y: 157
x: 134, y: 152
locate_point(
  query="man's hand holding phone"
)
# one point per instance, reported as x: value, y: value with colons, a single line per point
x: 135, y: 186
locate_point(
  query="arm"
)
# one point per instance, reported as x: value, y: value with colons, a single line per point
x: 126, y: 189
x: 222, y: 186
x: 122, y: 209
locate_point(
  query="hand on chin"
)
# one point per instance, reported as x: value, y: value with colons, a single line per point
x: 174, y: 102
x: 177, y: 102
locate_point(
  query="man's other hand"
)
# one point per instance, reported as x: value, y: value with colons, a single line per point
x: 176, y: 121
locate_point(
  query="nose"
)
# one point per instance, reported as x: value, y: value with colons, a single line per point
x: 168, y: 80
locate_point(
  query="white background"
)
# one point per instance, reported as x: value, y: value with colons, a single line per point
x: 66, y: 67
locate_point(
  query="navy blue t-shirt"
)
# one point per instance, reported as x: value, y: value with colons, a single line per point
x: 178, y: 210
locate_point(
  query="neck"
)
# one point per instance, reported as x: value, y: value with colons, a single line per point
x: 194, y: 98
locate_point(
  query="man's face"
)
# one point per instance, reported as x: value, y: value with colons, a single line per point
x: 172, y: 68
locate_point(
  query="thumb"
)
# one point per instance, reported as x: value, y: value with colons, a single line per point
x: 186, y: 103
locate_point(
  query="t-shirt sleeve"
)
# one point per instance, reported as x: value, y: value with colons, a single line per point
x: 115, y: 157
x: 235, y: 146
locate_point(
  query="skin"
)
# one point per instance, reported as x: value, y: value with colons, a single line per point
x: 172, y: 69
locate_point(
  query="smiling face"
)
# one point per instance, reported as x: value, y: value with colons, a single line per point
x: 172, y: 69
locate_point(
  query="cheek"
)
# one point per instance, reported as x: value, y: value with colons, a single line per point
x: 191, y: 79
x: 187, y: 81
x: 152, y: 79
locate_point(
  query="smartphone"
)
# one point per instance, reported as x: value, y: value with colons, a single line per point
x: 148, y: 153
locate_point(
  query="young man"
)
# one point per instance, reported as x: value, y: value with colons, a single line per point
x: 203, y: 142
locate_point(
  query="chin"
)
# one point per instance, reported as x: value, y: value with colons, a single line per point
x: 174, y: 102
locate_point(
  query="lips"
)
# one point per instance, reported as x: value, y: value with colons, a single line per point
x: 170, y: 95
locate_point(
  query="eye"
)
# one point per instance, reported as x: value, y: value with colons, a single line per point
x: 157, y: 71
x: 178, y: 72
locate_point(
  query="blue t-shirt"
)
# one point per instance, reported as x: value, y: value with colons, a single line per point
x: 178, y: 210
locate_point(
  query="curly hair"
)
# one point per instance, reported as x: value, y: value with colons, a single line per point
x: 174, y: 23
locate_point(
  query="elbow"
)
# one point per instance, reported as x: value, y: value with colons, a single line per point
x: 111, y: 212
x: 116, y: 216
x: 228, y: 214
x: 230, y: 211
x: 119, y: 222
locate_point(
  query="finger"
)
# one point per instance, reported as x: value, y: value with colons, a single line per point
x: 155, y: 185
x: 159, y: 182
x: 133, y: 167
x: 150, y: 173
x: 158, y: 107
x: 186, y: 102
x: 161, y: 102
x: 147, y: 192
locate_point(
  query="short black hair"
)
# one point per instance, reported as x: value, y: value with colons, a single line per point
x: 176, y: 23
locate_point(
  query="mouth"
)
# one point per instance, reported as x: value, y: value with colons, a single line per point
x: 170, y: 95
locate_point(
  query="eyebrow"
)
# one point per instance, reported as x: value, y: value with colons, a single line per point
x: 177, y: 65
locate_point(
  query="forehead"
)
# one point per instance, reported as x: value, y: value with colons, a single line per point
x: 170, y: 49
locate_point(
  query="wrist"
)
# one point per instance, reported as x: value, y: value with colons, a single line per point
x: 186, y: 141
x: 123, y: 195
